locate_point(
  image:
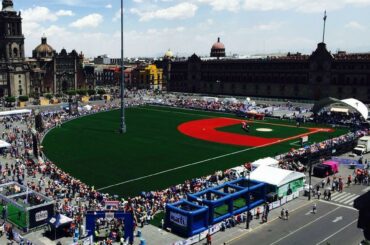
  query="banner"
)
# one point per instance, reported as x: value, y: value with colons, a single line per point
x: 289, y: 198
x: 40, y: 216
x: 179, y: 219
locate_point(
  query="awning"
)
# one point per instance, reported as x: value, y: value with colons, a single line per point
x: 275, y: 176
x: 4, y: 144
x: 59, y: 220
x: 14, y: 112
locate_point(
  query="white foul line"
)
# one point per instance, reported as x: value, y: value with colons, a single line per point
x: 291, y: 233
x: 187, y: 165
x: 336, y: 232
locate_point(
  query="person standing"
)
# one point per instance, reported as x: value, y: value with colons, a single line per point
x: 209, y: 239
x: 282, y: 214
x: 286, y: 214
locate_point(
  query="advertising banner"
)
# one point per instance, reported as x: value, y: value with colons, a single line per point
x: 178, y: 219
x: 40, y: 216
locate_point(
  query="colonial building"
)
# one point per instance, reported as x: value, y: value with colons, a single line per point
x: 294, y: 76
x: 14, y: 71
x: 57, y: 73
x: 147, y: 77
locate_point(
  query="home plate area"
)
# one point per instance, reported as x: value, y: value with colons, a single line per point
x: 210, y: 130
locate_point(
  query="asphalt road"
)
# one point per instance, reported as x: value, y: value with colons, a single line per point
x: 332, y: 224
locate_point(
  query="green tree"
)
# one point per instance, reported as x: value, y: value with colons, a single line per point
x: 91, y: 92
x: 71, y: 92
x: 48, y: 96
x: 81, y: 92
x: 23, y: 98
x: 10, y: 99
x: 101, y: 91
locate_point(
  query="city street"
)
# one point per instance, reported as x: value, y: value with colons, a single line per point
x: 331, y: 224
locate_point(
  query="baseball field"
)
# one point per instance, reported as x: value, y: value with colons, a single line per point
x: 165, y: 146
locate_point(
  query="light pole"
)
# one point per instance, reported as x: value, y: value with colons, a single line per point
x: 309, y: 177
x: 248, y: 199
x: 123, y: 124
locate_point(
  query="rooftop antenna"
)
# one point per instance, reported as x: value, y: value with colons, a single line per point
x: 323, y: 33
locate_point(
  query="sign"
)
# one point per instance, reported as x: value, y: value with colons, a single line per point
x: 109, y: 216
x: 304, y: 139
x: 42, y: 215
x: 179, y: 219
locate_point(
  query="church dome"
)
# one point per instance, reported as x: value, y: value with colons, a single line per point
x: 168, y: 54
x: 43, y: 50
x: 218, y: 49
x: 8, y: 6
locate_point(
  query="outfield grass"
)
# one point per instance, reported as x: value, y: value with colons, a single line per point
x: 90, y: 149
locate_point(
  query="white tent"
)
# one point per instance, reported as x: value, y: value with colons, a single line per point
x: 15, y: 112
x: 275, y: 176
x: 268, y: 161
x: 4, y: 144
x: 357, y: 105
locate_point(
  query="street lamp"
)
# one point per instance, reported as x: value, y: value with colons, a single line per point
x: 123, y: 124
x: 248, y: 199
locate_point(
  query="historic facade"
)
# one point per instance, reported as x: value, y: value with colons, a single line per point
x: 57, y: 73
x: 293, y: 76
x: 14, y: 71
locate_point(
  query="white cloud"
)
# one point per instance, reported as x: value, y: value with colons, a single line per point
x: 63, y: 12
x: 180, y: 11
x: 354, y: 25
x: 229, y: 5
x: 268, y: 27
x: 91, y: 20
x: 38, y: 14
x: 108, y: 6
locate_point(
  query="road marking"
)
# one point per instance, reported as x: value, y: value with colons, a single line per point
x: 337, y: 219
x: 366, y: 189
x: 308, y: 213
x: 351, y: 199
x: 341, y: 196
x: 336, y: 232
x: 302, y: 227
x: 344, y: 200
x: 339, y: 205
x: 240, y: 236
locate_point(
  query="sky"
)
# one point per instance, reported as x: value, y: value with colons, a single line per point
x: 151, y: 27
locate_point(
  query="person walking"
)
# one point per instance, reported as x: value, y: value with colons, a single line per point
x: 282, y: 214
x: 318, y: 195
x: 314, y: 208
x: 329, y: 196
x: 286, y: 214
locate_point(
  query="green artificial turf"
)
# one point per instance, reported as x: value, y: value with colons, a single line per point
x: 12, y: 215
x: 92, y: 150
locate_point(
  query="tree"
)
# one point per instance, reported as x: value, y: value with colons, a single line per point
x: 81, y: 92
x: 101, y: 91
x: 10, y: 99
x: 23, y: 98
x: 71, y: 92
x: 48, y: 96
x: 91, y: 92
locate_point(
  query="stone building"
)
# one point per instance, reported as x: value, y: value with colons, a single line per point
x: 14, y: 71
x: 57, y: 73
x: 293, y: 76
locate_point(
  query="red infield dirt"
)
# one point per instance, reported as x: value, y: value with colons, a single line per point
x: 206, y: 129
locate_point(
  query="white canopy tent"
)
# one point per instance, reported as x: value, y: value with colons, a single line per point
x: 15, y: 112
x: 357, y: 105
x: 268, y: 161
x: 275, y: 176
x: 4, y: 144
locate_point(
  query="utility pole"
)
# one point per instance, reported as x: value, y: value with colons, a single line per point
x: 248, y: 200
x: 123, y: 123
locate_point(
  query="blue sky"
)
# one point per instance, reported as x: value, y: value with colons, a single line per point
x: 152, y: 26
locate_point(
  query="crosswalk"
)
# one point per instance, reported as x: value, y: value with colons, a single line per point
x: 345, y: 198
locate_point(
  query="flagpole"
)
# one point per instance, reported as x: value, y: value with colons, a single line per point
x: 323, y: 33
x: 123, y: 124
